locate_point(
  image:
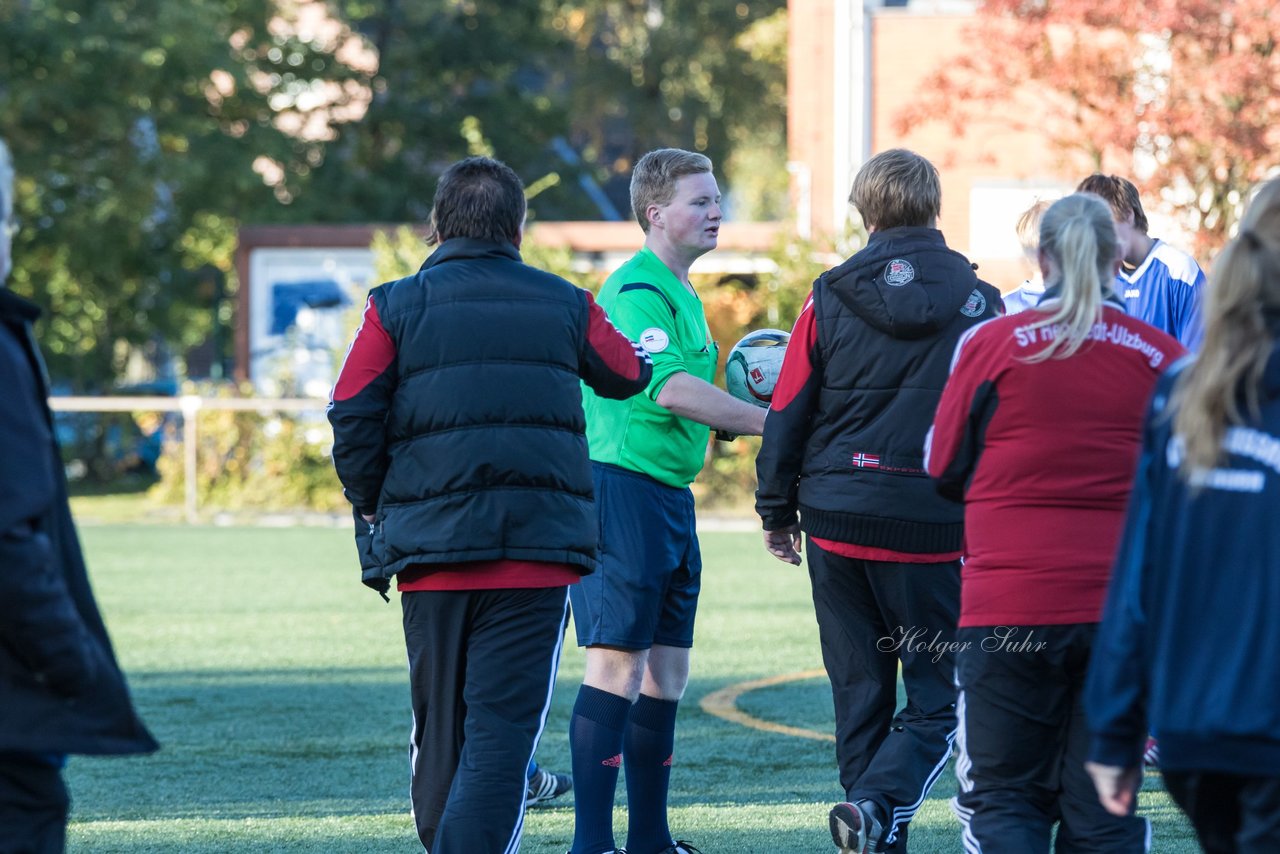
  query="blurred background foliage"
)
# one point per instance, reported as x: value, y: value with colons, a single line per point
x: 145, y: 132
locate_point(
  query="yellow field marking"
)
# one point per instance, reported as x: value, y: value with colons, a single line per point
x: 724, y: 704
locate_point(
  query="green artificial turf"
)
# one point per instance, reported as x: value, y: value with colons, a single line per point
x: 277, y: 685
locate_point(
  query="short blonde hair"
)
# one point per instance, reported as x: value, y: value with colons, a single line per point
x: 653, y: 182
x: 1028, y: 227
x: 896, y: 188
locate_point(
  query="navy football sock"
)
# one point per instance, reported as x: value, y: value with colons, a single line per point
x: 647, y: 752
x: 595, y: 742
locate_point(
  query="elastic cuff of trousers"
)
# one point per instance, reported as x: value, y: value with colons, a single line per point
x: 652, y: 713
x: 608, y: 710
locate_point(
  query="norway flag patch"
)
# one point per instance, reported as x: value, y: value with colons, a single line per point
x: 866, y: 461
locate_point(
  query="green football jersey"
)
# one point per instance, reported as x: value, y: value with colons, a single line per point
x: 651, y: 306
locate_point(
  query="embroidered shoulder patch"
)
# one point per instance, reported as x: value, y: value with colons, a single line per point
x: 898, y: 272
x: 975, y: 305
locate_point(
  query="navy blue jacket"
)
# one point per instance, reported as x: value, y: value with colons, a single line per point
x: 1189, y: 645
x: 865, y: 367
x: 61, y: 690
x: 457, y: 416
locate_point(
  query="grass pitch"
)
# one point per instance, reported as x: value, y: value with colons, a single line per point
x: 277, y: 685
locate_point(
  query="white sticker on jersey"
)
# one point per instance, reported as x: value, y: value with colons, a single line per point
x: 654, y: 340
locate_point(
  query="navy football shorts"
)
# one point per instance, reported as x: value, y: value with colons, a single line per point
x: 646, y: 589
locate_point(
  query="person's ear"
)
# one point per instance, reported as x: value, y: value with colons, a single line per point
x: 654, y: 214
x: 518, y: 237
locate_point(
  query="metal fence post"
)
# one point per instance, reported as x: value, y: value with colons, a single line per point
x: 191, y: 405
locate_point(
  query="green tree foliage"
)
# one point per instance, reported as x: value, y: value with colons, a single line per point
x: 445, y: 75
x: 571, y: 92
x: 707, y: 75
x: 145, y: 132
x: 134, y: 126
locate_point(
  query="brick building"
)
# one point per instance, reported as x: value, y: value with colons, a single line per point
x: 853, y: 66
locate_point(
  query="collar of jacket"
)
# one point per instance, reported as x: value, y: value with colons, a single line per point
x: 916, y: 232
x: 1109, y: 297
x: 14, y: 306
x: 466, y: 248
x: 892, y: 242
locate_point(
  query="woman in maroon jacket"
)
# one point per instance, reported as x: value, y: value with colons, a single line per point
x: 1038, y: 433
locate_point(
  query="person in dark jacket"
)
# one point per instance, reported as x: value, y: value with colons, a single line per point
x: 63, y: 691
x: 459, y: 438
x: 1037, y: 433
x: 1189, y: 643
x: 842, y: 460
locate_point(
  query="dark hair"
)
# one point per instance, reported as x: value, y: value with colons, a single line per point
x: 480, y: 198
x: 1120, y: 194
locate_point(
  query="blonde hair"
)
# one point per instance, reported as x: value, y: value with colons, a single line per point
x: 1028, y: 228
x: 653, y: 182
x: 897, y: 188
x: 1077, y: 233
x: 1244, y: 288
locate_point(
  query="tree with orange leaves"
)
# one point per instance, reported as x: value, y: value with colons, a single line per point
x: 1181, y: 95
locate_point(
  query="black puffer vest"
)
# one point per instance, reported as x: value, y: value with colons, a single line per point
x: 888, y: 320
x: 502, y: 472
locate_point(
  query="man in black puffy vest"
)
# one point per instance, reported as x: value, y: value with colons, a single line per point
x: 843, y: 460
x: 459, y: 439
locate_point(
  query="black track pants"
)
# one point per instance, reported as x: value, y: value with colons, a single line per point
x: 481, y: 668
x: 871, y: 615
x: 1022, y: 745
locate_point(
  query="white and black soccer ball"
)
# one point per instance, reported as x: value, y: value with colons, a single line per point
x: 754, y: 364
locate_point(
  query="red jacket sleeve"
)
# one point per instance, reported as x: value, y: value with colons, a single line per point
x: 786, y: 426
x: 611, y: 363
x: 358, y: 411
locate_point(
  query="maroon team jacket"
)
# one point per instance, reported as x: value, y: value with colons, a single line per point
x: 1043, y: 456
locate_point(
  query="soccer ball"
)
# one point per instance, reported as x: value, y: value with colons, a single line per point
x: 754, y: 364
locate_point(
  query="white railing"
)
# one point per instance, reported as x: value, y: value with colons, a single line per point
x: 190, y: 406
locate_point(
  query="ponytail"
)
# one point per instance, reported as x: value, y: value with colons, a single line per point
x: 1079, y: 237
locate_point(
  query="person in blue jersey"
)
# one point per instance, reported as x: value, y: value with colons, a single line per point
x: 1029, y: 294
x: 1160, y: 284
x: 1189, y: 645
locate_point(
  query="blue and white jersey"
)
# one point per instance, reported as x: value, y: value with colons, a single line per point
x: 1025, y: 297
x: 1166, y: 291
